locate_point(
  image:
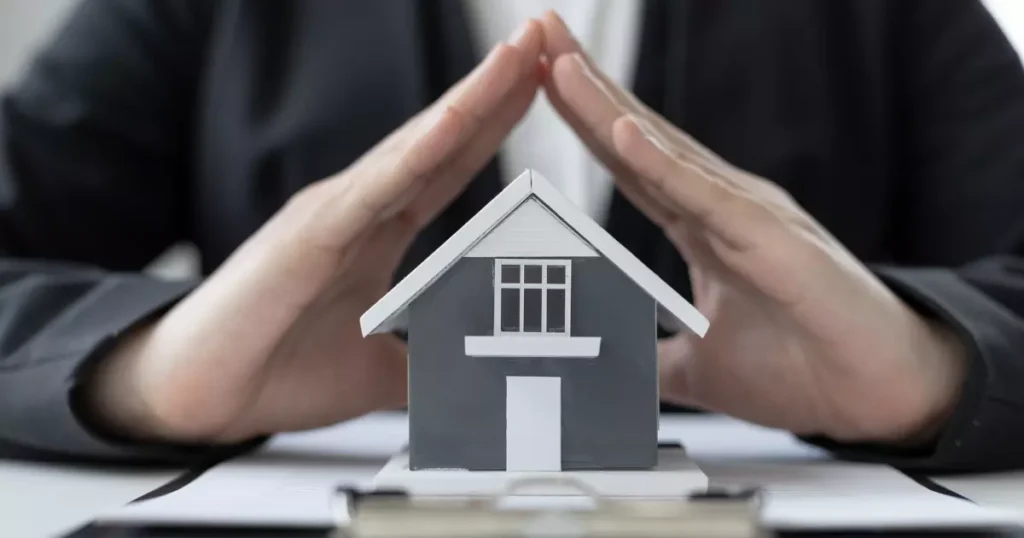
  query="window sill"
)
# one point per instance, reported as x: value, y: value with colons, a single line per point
x: 539, y: 346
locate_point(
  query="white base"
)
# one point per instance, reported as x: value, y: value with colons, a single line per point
x: 676, y: 475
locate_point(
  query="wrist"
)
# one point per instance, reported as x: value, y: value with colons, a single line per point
x: 113, y: 397
x: 952, y: 357
x: 941, y: 360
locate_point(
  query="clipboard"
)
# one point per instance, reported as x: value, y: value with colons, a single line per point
x: 396, y: 514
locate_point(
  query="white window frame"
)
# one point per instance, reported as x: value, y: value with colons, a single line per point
x: 522, y: 286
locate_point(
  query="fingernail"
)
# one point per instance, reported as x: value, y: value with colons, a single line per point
x: 565, y: 27
x: 559, y: 20
x: 520, y: 33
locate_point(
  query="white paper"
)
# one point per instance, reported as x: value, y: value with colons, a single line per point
x: 1003, y: 490
x: 38, y: 499
x: 289, y: 483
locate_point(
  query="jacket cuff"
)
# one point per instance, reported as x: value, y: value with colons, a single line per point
x: 48, y: 390
x: 984, y: 431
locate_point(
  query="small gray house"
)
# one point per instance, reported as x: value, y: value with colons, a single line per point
x: 532, y: 341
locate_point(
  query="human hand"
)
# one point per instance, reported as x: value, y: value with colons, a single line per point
x: 271, y: 341
x: 802, y: 335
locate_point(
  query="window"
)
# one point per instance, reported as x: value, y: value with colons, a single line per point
x: 531, y: 296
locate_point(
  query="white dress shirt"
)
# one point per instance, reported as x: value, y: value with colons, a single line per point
x: 609, y: 30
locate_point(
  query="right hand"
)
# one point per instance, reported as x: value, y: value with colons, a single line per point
x: 271, y: 341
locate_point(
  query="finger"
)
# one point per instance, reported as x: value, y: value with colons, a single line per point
x: 557, y: 41
x: 454, y: 177
x: 386, y: 183
x: 658, y: 212
x: 725, y: 210
x: 560, y: 42
x: 591, y: 117
x: 599, y: 102
x: 673, y: 380
x: 528, y: 39
x: 471, y: 109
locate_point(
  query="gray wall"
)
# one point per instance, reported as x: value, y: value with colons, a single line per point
x: 457, y: 403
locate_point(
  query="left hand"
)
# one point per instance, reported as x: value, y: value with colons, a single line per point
x: 803, y: 336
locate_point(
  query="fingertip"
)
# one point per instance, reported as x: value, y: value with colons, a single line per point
x: 551, y: 20
x: 558, y: 38
x: 550, y: 15
x: 529, y: 38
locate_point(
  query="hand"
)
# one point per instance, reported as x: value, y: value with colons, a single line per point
x: 271, y: 341
x: 802, y: 335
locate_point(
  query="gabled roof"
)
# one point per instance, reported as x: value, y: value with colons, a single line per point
x: 385, y: 314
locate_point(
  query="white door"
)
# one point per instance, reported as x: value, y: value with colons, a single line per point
x: 533, y: 423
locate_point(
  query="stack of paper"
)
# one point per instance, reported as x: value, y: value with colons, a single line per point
x: 290, y: 481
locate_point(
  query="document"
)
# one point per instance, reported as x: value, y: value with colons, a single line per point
x: 289, y: 482
x: 1003, y: 490
x: 48, y: 499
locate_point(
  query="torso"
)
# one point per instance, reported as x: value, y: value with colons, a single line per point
x: 296, y: 91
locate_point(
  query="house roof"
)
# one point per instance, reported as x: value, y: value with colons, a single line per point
x: 386, y: 314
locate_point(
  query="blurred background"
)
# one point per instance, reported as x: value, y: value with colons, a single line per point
x: 25, y: 23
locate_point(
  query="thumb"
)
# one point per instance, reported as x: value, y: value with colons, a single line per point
x: 674, y: 355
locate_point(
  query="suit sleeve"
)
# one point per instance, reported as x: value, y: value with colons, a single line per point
x: 959, y: 222
x: 93, y: 174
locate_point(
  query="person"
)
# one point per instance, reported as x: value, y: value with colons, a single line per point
x: 837, y: 186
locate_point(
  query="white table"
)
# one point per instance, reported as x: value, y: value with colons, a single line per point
x: 38, y: 500
x: 1003, y: 490
x: 44, y: 500
x: 289, y: 481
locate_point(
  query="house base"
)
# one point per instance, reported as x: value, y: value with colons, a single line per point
x: 676, y: 475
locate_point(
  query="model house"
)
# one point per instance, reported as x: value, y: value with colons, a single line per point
x: 532, y: 341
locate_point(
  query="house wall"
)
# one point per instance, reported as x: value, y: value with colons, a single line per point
x: 457, y: 403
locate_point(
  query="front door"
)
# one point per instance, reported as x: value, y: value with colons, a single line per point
x: 533, y: 423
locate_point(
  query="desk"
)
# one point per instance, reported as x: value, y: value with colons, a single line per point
x: 305, y: 448
x: 1003, y: 490
x: 41, y: 499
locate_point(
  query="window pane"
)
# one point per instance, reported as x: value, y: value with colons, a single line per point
x: 531, y: 311
x: 510, y: 309
x: 532, y: 274
x: 556, y: 274
x: 556, y: 311
x: 510, y: 274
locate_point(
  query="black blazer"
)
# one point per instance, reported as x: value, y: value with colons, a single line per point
x: 899, y: 125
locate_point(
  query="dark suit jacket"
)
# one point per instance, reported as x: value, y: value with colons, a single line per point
x: 899, y: 125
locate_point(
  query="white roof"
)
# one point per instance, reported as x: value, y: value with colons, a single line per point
x: 385, y: 314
